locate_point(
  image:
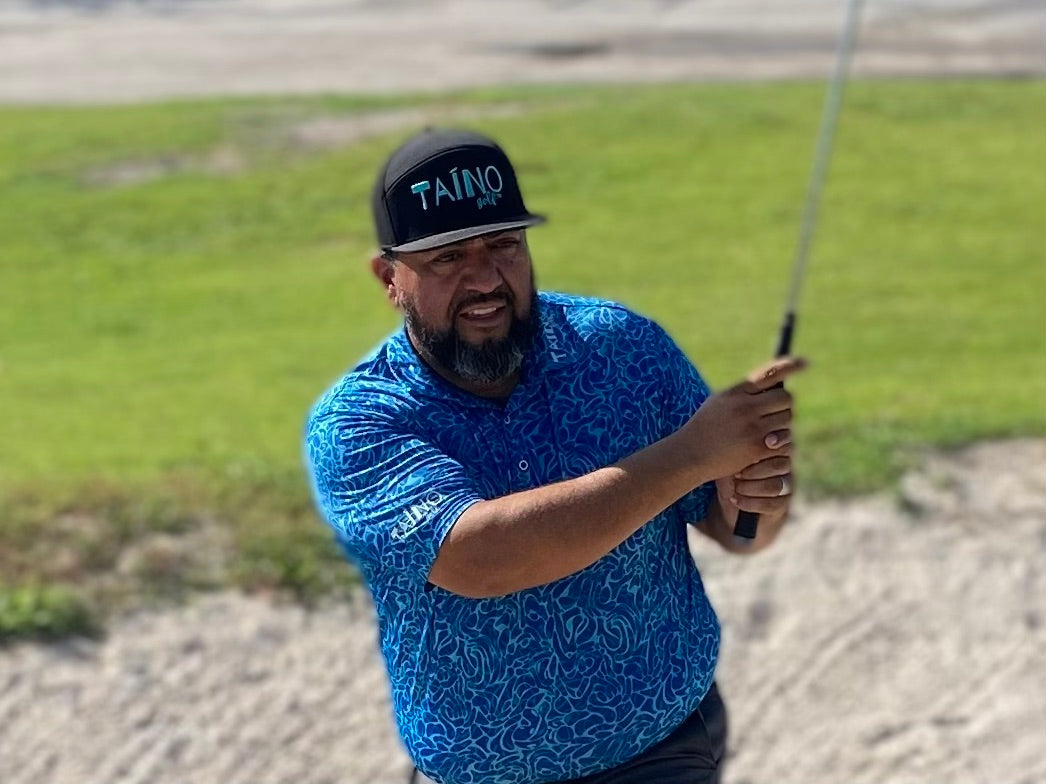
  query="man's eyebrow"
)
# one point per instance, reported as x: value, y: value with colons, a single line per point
x: 497, y: 235
x: 443, y: 249
x: 460, y: 244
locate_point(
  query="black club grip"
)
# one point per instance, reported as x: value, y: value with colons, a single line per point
x: 746, y: 526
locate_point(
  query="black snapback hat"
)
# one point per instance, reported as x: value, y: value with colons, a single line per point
x: 444, y: 186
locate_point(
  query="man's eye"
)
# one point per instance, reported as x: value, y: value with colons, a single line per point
x: 507, y: 243
x: 446, y: 258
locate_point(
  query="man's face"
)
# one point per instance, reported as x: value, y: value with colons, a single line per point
x: 468, y: 305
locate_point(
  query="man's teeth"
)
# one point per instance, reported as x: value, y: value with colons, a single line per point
x: 482, y: 311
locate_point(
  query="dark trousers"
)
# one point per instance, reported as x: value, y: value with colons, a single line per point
x: 693, y: 754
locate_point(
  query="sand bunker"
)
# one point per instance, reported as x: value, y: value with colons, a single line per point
x: 896, y: 638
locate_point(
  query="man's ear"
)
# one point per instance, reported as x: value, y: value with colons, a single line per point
x: 385, y: 271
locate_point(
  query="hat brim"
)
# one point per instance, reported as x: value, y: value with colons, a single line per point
x: 450, y: 237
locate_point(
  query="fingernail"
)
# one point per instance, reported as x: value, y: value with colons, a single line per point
x: 771, y: 440
x: 733, y: 500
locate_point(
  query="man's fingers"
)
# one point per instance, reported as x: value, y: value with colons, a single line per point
x: 764, y: 496
x: 773, y: 487
x: 771, y: 401
x: 773, y: 373
x: 782, y: 420
x: 764, y: 469
x: 759, y: 505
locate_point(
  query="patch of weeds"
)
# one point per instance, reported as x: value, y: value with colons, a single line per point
x: 168, y: 567
x: 301, y: 559
x: 112, y: 546
x: 35, y: 611
x: 77, y: 534
x: 277, y: 540
x: 100, y: 547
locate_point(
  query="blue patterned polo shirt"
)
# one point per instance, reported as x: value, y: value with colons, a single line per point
x: 552, y: 682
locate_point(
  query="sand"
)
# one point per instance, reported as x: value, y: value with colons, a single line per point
x: 894, y: 638
x: 91, y: 51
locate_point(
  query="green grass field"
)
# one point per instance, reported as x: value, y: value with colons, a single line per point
x: 179, y: 282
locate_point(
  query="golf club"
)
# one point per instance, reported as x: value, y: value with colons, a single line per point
x: 748, y: 522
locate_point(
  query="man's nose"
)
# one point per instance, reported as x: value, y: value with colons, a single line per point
x: 482, y: 273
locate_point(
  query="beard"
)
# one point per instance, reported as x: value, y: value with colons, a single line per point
x: 489, y: 362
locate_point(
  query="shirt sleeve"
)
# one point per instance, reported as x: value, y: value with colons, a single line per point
x: 389, y: 494
x: 684, y: 392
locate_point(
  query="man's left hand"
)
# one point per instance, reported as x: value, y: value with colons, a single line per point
x: 764, y: 488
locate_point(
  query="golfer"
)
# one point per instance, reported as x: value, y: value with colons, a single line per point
x: 513, y: 473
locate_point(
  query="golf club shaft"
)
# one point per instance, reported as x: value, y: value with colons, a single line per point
x: 747, y: 524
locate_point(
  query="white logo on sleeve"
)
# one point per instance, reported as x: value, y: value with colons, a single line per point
x: 415, y: 516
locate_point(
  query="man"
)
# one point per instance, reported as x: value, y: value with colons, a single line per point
x: 513, y: 473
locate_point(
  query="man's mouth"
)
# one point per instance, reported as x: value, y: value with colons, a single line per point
x: 484, y: 313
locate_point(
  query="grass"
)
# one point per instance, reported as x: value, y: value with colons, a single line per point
x: 43, y: 612
x: 166, y: 321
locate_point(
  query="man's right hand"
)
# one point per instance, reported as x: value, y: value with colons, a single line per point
x: 746, y: 423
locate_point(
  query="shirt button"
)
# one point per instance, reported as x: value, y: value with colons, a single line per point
x: 523, y: 465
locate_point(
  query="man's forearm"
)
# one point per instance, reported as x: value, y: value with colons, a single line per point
x: 536, y: 536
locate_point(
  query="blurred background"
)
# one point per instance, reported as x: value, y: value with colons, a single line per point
x: 184, y: 227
